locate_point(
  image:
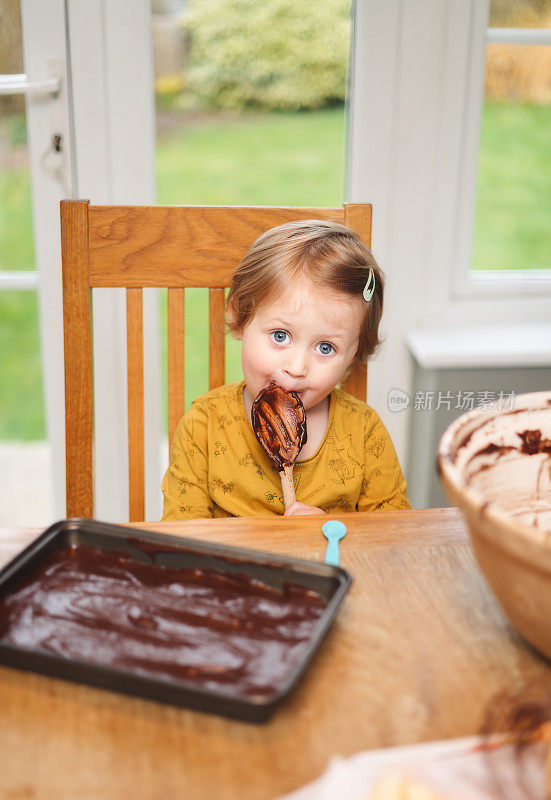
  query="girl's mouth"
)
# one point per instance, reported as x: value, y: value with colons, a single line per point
x: 299, y: 392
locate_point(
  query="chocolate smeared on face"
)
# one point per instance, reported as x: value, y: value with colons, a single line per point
x: 279, y: 422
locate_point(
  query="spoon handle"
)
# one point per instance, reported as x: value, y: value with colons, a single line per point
x: 286, y: 476
x: 332, y: 555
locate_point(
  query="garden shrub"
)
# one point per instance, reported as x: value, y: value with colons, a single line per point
x: 274, y: 54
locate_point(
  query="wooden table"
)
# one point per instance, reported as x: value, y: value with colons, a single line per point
x: 417, y: 651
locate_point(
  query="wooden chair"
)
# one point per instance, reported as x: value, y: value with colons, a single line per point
x: 155, y: 246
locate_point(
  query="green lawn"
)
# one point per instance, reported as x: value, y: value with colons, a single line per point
x: 513, y: 210
x: 268, y: 159
x: 288, y: 159
x: 21, y: 404
x: 16, y: 239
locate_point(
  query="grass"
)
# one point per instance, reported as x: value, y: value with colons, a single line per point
x: 263, y: 159
x: 288, y: 159
x: 16, y: 238
x: 513, y: 208
x: 21, y: 400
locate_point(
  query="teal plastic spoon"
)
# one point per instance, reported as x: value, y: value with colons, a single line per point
x: 333, y: 532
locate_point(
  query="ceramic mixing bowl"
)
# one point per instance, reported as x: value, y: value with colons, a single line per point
x: 495, y: 466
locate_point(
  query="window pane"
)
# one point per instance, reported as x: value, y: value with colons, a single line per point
x: 21, y: 402
x: 513, y: 204
x: 26, y: 497
x: 21, y: 406
x: 250, y: 111
x: 16, y: 239
x: 520, y: 14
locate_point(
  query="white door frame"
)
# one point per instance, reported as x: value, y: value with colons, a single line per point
x: 114, y: 120
x: 108, y: 112
x: 44, y: 54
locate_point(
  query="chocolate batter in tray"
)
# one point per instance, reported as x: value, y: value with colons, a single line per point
x: 194, y: 624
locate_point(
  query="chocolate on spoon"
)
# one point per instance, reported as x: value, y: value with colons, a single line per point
x: 279, y: 422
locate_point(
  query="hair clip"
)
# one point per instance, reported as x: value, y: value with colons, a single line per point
x: 369, y: 287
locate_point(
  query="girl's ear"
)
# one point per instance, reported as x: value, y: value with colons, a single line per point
x: 232, y: 316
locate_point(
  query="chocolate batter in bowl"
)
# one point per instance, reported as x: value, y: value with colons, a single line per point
x: 496, y: 467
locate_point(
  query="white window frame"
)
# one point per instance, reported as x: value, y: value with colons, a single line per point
x: 412, y: 93
x: 466, y: 281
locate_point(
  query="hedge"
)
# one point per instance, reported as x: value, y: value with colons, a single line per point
x: 276, y: 54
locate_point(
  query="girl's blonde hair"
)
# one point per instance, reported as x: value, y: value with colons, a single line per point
x: 327, y: 253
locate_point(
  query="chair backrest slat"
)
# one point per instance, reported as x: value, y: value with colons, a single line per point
x: 355, y: 384
x: 134, y: 357
x: 133, y: 246
x: 174, y: 247
x: 217, y: 338
x: 176, y: 358
x: 77, y: 335
x: 358, y: 217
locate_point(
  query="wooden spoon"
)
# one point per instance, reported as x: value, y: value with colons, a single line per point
x: 279, y: 422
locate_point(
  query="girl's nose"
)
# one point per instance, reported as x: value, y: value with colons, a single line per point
x: 296, y: 366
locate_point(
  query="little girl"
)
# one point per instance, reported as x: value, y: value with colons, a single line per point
x: 306, y: 301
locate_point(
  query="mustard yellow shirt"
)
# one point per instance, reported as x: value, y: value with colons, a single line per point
x: 217, y: 467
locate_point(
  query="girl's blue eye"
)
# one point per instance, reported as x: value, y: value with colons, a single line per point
x: 325, y: 348
x: 279, y: 336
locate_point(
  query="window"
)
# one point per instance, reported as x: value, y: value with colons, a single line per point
x: 511, y: 239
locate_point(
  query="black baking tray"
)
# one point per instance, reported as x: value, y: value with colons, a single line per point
x: 329, y: 581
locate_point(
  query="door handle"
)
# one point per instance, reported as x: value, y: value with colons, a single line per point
x: 20, y: 84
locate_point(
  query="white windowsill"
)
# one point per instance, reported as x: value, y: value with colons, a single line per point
x: 496, y: 346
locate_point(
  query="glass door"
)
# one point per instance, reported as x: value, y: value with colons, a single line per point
x: 34, y: 176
